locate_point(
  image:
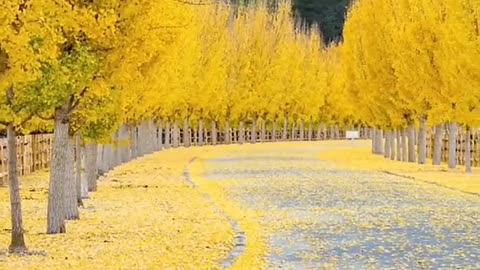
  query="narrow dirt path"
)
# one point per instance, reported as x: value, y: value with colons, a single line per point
x: 323, y: 218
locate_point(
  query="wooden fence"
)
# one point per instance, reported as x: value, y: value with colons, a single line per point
x: 33, y: 152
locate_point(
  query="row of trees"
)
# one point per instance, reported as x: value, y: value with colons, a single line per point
x: 414, y: 64
x: 97, y: 71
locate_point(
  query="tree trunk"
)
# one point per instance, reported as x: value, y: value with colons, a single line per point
x: 186, y: 133
x: 388, y: 136
x: 422, y: 141
x: 438, y: 145
x: 294, y: 131
x: 310, y: 131
x: 398, y: 135
x: 241, y: 130
x: 468, y: 149
x: 379, y: 142
x: 302, y: 131
x: 285, y: 129
x: 392, y: 145
x: 319, y: 132
x: 412, y: 154
x: 91, y: 166
x: 159, y: 135
x: 253, y: 136
x: 200, y: 132
x: 17, y: 244
x: 176, y: 134
x: 374, y: 142
x: 452, y: 145
x: 274, y: 130
x: 228, y: 132
x: 404, y: 146
x: 59, y: 170
x: 263, y: 131
x: 78, y: 170
x: 214, y: 132
x: 70, y: 193
x: 168, y: 133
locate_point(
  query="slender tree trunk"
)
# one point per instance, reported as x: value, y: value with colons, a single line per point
x: 285, y: 129
x: 388, y: 136
x: 379, y: 142
x: 398, y: 135
x: 310, y: 131
x: 294, y: 130
x: 214, y: 132
x: 133, y: 143
x: 274, y: 130
x: 319, y: 131
x: 241, y: 129
x: 452, y: 145
x: 263, y: 131
x: 412, y: 153
x: 70, y: 193
x: 302, y: 131
x: 17, y: 244
x: 91, y: 166
x: 200, y: 132
x: 176, y: 134
x: 468, y: 149
x: 374, y: 142
x: 404, y: 146
x: 159, y: 135
x: 78, y: 170
x: 253, y: 135
x: 59, y: 170
x: 422, y: 141
x: 228, y: 132
x: 186, y: 133
x: 336, y: 132
x: 168, y: 133
x: 392, y: 145
x: 438, y: 145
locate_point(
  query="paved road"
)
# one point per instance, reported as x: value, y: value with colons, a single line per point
x: 324, y: 218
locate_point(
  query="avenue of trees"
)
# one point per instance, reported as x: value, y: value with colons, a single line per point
x: 113, y: 70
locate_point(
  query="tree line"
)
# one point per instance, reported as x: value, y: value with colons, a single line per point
x: 96, y: 71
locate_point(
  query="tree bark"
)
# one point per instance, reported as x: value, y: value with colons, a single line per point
x: 379, y: 142
x: 70, y: 193
x: 319, y: 132
x: 285, y: 129
x: 310, y: 131
x: 388, y: 136
x: 168, y: 133
x: 214, y: 132
x: 59, y: 170
x: 398, y: 135
x: 241, y: 130
x: 263, y: 131
x: 176, y: 134
x: 374, y: 142
x: 228, y: 132
x: 404, y: 146
x: 17, y: 244
x: 159, y: 135
x: 186, y: 133
x: 302, y: 131
x: 452, y: 145
x: 294, y: 131
x: 253, y: 136
x: 274, y: 130
x: 78, y: 169
x: 468, y: 149
x: 412, y: 154
x: 422, y: 141
x: 200, y: 132
x: 91, y: 166
x: 438, y: 145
